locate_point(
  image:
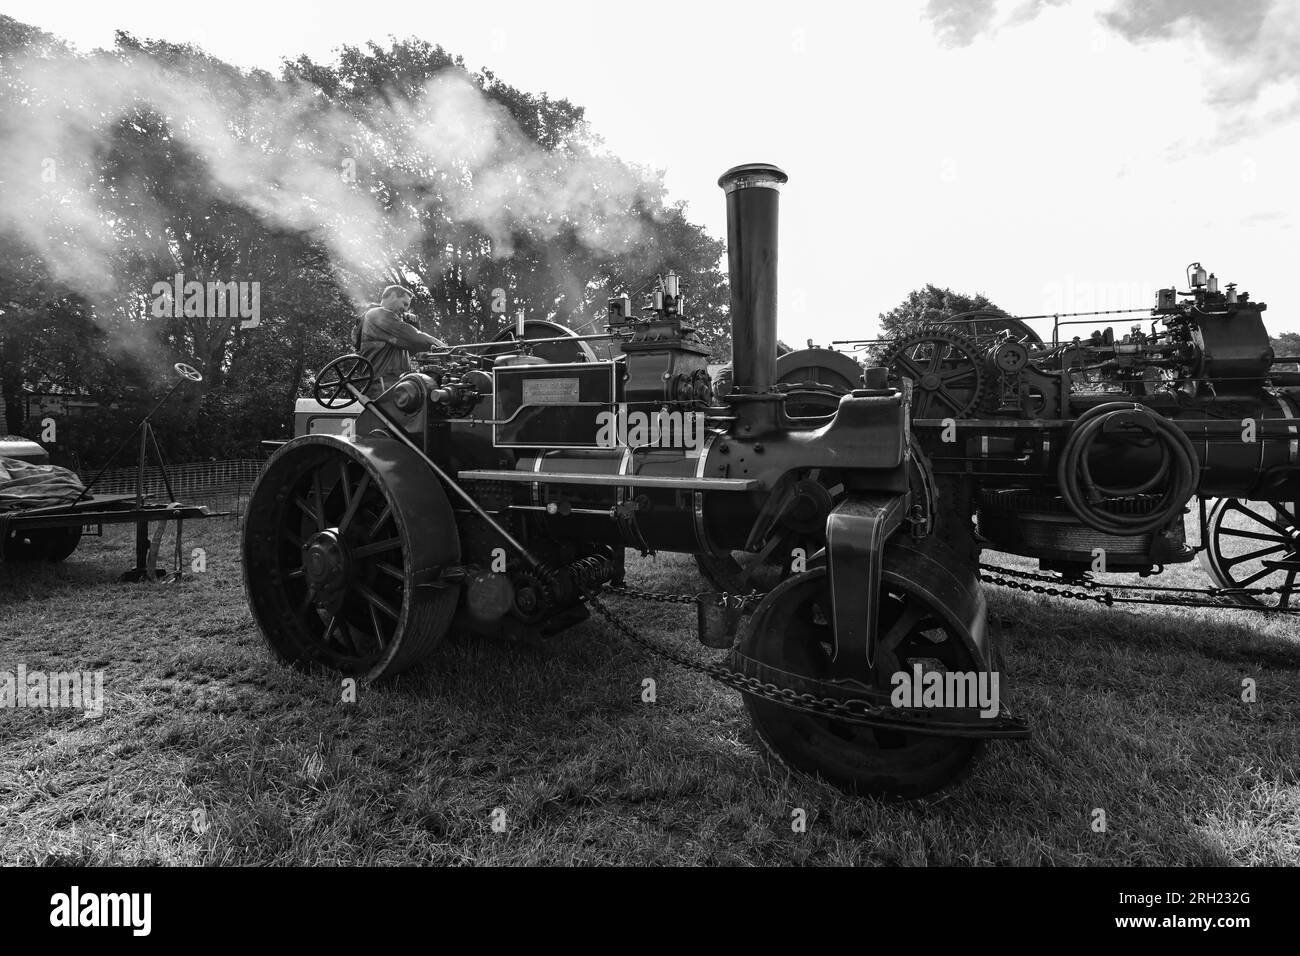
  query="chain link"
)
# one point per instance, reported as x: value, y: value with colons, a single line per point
x: 855, y: 711
x: 1111, y: 594
x: 714, y: 598
x: 850, y: 710
x: 1106, y: 598
x: 860, y: 711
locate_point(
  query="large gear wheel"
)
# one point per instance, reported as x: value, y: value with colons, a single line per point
x: 988, y: 327
x: 946, y: 369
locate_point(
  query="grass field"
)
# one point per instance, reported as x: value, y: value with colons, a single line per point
x: 209, y: 752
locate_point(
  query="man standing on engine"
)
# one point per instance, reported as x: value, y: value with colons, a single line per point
x: 386, y: 335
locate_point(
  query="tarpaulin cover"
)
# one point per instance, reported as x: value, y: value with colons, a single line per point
x: 24, y: 485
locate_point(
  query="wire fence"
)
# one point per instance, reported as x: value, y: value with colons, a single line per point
x: 223, y: 486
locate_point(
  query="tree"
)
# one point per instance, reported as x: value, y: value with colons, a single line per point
x: 1286, y: 345
x: 181, y: 163
x: 929, y: 305
x: 557, y: 260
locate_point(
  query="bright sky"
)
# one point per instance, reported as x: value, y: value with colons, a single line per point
x: 1050, y: 163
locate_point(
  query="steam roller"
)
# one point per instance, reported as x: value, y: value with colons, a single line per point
x: 840, y: 510
x: 496, y: 490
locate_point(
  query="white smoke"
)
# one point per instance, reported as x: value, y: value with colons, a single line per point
x: 295, y: 162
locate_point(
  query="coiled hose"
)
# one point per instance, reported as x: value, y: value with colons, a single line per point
x: 1178, y: 469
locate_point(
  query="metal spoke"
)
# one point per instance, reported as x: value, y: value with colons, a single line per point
x: 907, y: 620
x: 1258, y: 536
x: 774, y: 543
x: 374, y: 620
x: 379, y: 522
x: 345, y: 486
x: 310, y: 512
x: 942, y: 393
x: 377, y: 547
x: 911, y: 366
x: 1289, y: 516
x: 354, y: 503
x: 1252, y: 554
x: 375, y: 600
x: 329, y: 629
x: 320, y: 499
x: 392, y: 572
x: 1255, y: 577
x: 1264, y: 521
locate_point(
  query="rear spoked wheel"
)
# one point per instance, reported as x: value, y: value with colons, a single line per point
x: 341, y: 571
x: 1255, y: 544
x: 791, y: 631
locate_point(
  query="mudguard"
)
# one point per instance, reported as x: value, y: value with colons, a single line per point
x: 857, y: 532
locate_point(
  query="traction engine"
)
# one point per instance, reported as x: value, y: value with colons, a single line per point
x: 497, y: 490
x: 1086, y: 453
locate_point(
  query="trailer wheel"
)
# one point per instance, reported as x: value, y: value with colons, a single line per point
x: 42, y: 544
x: 1241, y: 536
x: 791, y: 631
x: 345, y: 546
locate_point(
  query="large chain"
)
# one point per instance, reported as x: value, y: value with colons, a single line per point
x: 1111, y: 594
x: 1042, y: 588
x: 717, y: 598
x: 864, y: 711
x: 850, y: 711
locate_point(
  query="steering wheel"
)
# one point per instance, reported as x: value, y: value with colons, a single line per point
x: 331, y: 386
x: 188, y: 371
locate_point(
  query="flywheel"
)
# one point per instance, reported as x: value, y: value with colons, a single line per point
x: 946, y: 370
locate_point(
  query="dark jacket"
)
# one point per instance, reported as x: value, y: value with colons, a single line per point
x: 387, y: 340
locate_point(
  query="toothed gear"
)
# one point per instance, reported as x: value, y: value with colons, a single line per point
x: 947, y: 370
x: 532, y: 597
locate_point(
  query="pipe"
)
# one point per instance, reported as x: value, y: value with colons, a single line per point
x: 753, y: 193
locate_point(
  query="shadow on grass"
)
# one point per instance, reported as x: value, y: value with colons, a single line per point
x: 1218, y: 635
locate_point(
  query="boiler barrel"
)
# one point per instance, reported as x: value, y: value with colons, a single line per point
x: 1230, y: 464
x: 676, y: 511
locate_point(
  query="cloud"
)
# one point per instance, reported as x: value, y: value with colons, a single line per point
x: 958, y: 23
x: 1252, y: 77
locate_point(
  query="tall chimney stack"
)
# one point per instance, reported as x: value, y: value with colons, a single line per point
x: 753, y: 192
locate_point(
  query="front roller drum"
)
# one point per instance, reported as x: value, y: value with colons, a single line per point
x: 930, y: 615
x: 345, y: 549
